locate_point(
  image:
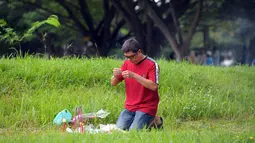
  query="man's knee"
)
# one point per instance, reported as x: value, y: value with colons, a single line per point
x: 141, y: 121
x: 125, y: 119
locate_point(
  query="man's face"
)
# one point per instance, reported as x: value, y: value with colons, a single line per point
x: 133, y: 57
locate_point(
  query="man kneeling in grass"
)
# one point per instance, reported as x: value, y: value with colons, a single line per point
x: 140, y: 74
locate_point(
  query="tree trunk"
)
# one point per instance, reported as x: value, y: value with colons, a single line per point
x: 206, y: 37
x: 176, y: 25
x: 105, y: 36
x: 163, y: 29
x: 185, y: 46
x: 149, y: 26
x: 132, y: 19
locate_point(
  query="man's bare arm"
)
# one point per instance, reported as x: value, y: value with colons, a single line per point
x: 115, y: 81
x: 145, y: 82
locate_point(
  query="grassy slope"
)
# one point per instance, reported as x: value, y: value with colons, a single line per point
x: 33, y: 90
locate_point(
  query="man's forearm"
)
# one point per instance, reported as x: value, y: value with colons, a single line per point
x: 114, y: 81
x: 146, y: 82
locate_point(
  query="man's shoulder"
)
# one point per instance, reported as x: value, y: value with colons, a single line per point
x: 151, y: 61
x: 127, y: 62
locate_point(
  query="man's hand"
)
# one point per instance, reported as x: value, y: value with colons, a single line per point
x: 116, y: 72
x: 114, y: 80
x: 128, y: 74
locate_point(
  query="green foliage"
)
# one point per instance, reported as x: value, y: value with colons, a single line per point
x: 124, y: 31
x: 190, y: 136
x: 2, y: 23
x: 12, y: 37
x: 33, y: 91
x: 187, y: 92
x: 9, y: 36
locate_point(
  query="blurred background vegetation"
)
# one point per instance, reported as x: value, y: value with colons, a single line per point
x: 165, y: 28
x: 198, y: 103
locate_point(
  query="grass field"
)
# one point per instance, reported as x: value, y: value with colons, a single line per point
x: 198, y: 103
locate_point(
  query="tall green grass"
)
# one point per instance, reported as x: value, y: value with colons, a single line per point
x: 34, y: 90
x: 202, y: 136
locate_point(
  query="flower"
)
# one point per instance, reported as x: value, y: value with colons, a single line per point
x: 64, y: 120
x: 251, y: 138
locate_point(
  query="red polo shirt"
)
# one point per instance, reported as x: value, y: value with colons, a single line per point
x: 137, y: 96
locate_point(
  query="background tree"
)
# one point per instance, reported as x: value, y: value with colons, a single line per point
x: 142, y: 15
x: 160, y: 25
x: 241, y: 14
x: 77, y: 16
x: 181, y: 46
